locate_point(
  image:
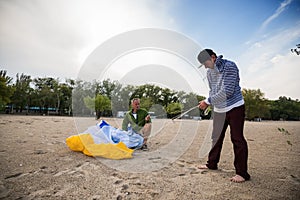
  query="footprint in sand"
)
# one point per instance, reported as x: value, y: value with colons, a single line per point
x: 79, y: 170
x: 3, y: 191
x: 190, y: 168
x: 294, y: 179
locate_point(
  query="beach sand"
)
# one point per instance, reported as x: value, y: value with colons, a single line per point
x: 36, y: 163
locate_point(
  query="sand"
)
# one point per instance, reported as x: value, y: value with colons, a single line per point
x: 37, y: 164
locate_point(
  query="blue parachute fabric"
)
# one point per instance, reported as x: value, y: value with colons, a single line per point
x: 103, y: 123
x: 105, y: 133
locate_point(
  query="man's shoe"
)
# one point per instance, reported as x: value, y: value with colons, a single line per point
x: 144, y: 147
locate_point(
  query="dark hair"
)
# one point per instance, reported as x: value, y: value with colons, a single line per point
x: 205, y: 55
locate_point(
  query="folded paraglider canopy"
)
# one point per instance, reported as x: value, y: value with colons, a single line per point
x: 105, y: 141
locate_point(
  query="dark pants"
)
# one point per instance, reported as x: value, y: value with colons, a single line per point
x: 235, y: 119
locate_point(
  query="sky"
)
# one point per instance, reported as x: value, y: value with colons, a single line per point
x: 54, y: 38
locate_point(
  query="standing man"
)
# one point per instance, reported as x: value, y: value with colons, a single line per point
x: 226, y: 97
x: 139, y: 120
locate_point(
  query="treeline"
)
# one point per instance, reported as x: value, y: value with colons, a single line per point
x: 107, y: 98
x: 81, y: 98
x: 257, y: 107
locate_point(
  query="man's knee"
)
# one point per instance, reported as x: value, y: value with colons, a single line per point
x: 147, y: 126
x: 147, y: 129
x: 239, y: 141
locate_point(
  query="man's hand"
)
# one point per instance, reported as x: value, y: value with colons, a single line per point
x: 203, y: 105
x: 147, y: 118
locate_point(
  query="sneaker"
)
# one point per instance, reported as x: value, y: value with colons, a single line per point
x: 144, y: 147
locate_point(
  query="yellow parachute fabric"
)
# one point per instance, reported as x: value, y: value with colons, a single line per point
x: 85, y: 143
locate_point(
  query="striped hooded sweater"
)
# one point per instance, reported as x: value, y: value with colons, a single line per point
x: 225, y: 91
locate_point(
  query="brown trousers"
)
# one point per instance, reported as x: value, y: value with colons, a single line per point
x: 235, y: 119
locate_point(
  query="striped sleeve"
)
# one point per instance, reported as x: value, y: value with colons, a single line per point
x: 226, y: 86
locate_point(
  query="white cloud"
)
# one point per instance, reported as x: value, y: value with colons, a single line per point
x: 53, y: 38
x: 152, y: 66
x: 271, y: 67
x: 282, y: 78
x: 278, y: 11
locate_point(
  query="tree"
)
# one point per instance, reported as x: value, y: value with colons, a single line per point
x: 255, y: 104
x: 190, y: 100
x: 121, y: 98
x: 81, y: 90
x: 99, y: 104
x: 90, y: 103
x: 174, y: 109
x: 66, y: 96
x: 168, y: 96
x: 102, y: 106
x: 22, y: 94
x: 107, y: 87
x: 285, y: 109
x: 57, y: 94
x: 6, y: 90
x: 46, y: 93
x: 146, y: 103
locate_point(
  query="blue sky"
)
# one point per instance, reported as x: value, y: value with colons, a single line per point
x: 232, y: 24
x: 53, y: 38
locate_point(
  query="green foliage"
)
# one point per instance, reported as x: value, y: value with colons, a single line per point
x: 100, y: 104
x: 146, y: 103
x: 75, y: 97
x: 81, y: 90
x: 285, y: 109
x: 89, y: 103
x: 23, y: 92
x: 66, y: 96
x: 283, y: 131
x: 174, y: 109
x: 190, y: 101
x: 121, y: 98
x: 6, y: 90
x: 255, y: 104
x: 48, y: 94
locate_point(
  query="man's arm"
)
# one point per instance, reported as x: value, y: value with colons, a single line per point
x: 228, y: 84
x: 125, y: 122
